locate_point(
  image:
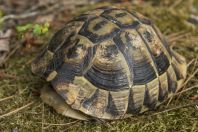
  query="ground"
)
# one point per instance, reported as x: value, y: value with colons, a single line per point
x: 22, y: 87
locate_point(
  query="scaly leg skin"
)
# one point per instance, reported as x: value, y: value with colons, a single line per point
x: 50, y: 97
x: 181, y: 64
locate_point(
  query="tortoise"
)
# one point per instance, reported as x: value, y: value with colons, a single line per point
x: 108, y: 64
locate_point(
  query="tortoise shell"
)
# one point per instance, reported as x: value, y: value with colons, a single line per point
x: 110, y: 63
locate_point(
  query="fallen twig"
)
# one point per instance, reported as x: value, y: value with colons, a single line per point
x: 12, y: 96
x: 20, y: 16
x: 177, y: 36
x: 30, y: 14
x: 189, y: 63
x: 4, y: 37
x: 187, y: 89
x: 190, y: 77
x: 63, y: 124
x: 17, y: 110
x: 11, y: 53
x: 6, y: 98
x: 176, y: 3
x: 195, y: 64
x: 175, y: 108
x: 43, y: 116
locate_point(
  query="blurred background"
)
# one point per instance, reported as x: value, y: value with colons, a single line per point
x: 26, y: 26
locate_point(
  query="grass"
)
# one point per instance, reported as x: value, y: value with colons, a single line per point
x: 24, y: 86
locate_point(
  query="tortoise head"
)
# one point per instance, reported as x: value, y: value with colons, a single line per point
x: 40, y: 64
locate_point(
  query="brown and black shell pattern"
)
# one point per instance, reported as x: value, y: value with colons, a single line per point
x: 110, y: 63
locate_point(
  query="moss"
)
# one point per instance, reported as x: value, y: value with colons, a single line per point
x: 26, y: 87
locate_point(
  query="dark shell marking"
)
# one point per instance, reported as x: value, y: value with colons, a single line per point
x: 110, y: 63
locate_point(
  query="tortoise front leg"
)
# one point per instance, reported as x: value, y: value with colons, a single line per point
x: 181, y: 66
x: 50, y: 97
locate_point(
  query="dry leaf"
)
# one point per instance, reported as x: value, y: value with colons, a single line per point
x: 45, y: 18
x: 4, y: 44
x: 194, y: 97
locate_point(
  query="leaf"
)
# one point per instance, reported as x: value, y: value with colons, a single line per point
x: 194, y: 97
x: 1, y: 13
x: 47, y: 25
x: 4, y: 44
x: 37, y: 30
x: 24, y: 28
x: 44, y: 30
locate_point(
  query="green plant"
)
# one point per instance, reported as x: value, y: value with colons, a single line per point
x: 1, y: 15
x: 36, y: 29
